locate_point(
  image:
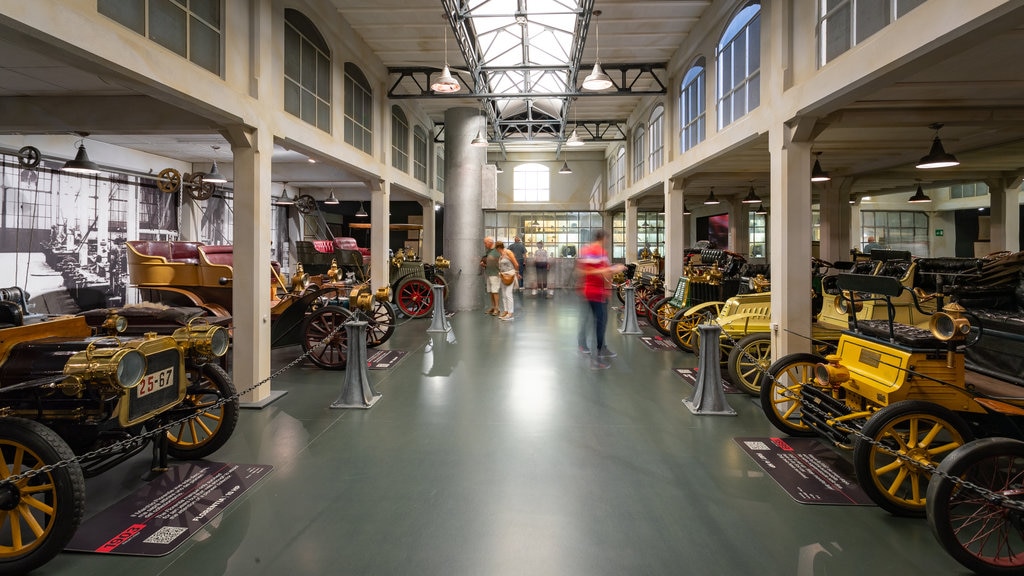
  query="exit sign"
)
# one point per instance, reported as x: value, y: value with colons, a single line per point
x: 938, y: 231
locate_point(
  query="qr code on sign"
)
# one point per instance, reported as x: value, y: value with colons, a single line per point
x: 165, y: 535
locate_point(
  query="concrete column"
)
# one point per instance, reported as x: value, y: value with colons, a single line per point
x: 380, y: 233
x: 675, y: 233
x: 250, y: 302
x: 1004, y: 198
x: 632, y: 244
x: 790, y: 237
x: 835, y: 212
x: 463, y: 219
x: 739, y: 225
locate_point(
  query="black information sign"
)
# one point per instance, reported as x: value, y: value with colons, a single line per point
x: 808, y: 470
x: 164, y: 513
x: 384, y: 359
x: 689, y: 375
x: 659, y: 343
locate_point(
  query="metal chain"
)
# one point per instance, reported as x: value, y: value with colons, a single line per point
x: 164, y: 428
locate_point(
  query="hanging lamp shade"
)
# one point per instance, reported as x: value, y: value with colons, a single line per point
x: 479, y: 141
x: 853, y: 199
x: 284, y: 200
x: 332, y: 199
x: 817, y: 174
x: 937, y: 157
x: 686, y: 210
x: 752, y: 197
x: 919, y: 196
x: 361, y: 213
x: 574, y: 139
x: 498, y: 169
x: 214, y: 176
x: 565, y: 168
x: 81, y: 164
x: 597, y: 80
x: 761, y: 210
x: 711, y: 200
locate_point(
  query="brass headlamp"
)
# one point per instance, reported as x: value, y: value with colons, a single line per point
x: 118, y: 368
x: 202, y: 338
x: 831, y: 372
x: 950, y: 324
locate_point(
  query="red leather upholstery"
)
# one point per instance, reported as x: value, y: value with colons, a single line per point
x: 219, y: 254
x: 345, y: 243
x: 187, y: 252
x: 324, y: 246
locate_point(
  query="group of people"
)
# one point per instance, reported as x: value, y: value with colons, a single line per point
x: 503, y: 269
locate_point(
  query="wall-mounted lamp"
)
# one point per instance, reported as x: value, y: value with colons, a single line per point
x: 937, y: 157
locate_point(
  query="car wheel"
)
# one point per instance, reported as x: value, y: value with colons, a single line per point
x: 210, y: 428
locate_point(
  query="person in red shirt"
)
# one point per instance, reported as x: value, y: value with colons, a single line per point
x: 595, y: 270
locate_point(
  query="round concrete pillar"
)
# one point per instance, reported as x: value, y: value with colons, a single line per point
x: 463, y: 215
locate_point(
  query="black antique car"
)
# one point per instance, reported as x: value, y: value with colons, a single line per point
x: 77, y: 399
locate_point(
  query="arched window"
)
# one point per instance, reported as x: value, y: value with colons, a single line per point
x: 399, y: 139
x: 639, y: 153
x: 358, y: 109
x: 739, y: 65
x: 656, y: 137
x: 307, y: 71
x: 193, y: 30
x: 531, y: 183
x: 620, y: 169
x: 842, y: 24
x: 419, y: 154
x: 692, y: 106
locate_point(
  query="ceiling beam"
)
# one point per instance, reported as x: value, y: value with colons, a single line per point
x: 98, y: 115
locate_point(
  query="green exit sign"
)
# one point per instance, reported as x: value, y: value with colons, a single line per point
x: 938, y: 231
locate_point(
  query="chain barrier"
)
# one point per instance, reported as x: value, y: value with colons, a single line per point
x: 145, y: 436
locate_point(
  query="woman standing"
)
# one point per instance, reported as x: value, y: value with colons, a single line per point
x: 508, y: 270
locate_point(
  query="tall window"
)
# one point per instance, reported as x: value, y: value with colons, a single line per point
x: 613, y: 178
x: 399, y: 139
x: 692, y: 107
x: 419, y: 154
x: 758, y: 229
x: 307, y: 71
x: 620, y: 169
x: 843, y: 24
x: 896, y: 230
x: 639, y: 153
x: 439, y: 170
x: 530, y: 183
x: 358, y: 109
x: 190, y: 28
x: 656, y: 137
x: 739, y: 66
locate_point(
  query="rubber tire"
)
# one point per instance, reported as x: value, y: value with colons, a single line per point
x: 876, y: 428
x: 772, y: 396
x: 661, y: 314
x: 682, y: 330
x: 414, y: 297
x: 981, y: 462
x: 748, y: 360
x: 214, y: 427
x: 381, y: 325
x: 316, y: 327
x: 40, y: 445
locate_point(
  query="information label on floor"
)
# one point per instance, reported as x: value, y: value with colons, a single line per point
x: 384, y: 359
x: 689, y: 375
x: 659, y: 343
x: 164, y: 513
x: 808, y: 470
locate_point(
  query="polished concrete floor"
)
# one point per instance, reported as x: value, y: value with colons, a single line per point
x: 500, y: 452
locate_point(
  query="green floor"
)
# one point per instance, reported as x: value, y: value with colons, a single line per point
x: 500, y: 453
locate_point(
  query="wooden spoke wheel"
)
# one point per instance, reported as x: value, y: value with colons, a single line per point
x: 209, y: 429
x: 414, y: 297
x: 324, y: 335
x: 780, y: 392
x: 381, y: 322
x: 748, y: 360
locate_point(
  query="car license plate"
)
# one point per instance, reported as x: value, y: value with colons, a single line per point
x: 156, y: 381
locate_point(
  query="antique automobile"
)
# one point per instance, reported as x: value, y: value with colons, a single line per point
x: 195, y: 274
x: 899, y: 395
x: 710, y: 277
x: 412, y: 282
x: 77, y: 400
x: 647, y: 280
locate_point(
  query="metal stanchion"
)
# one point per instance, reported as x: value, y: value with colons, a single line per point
x: 629, y: 324
x: 358, y: 393
x: 439, y: 322
x: 708, y: 394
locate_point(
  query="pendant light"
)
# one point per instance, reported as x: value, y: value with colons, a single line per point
x: 597, y: 80
x: 446, y: 83
x: 711, y: 200
x: 817, y: 174
x: 565, y: 168
x: 761, y: 210
x: 937, y: 157
x: 81, y: 164
x: 919, y: 197
x: 752, y: 197
x: 498, y: 169
x: 361, y: 213
x: 686, y: 211
x: 480, y: 141
x: 214, y: 176
x: 284, y: 200
x: 332, y: 199
x: 574, y: 138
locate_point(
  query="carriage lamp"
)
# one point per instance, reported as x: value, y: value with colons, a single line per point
x: 950, y: 324
x: 114, y: 323
x: 383, y: 294
x: 442, y: 262
x: 831, y: 372
x: 203, y: 339
x: 361, y: 299
x: 117, y: 368
x: 334, y: 273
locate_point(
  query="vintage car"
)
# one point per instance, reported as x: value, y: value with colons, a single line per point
x: 899, y: 395
x: 75, y: 400
x: 710, y: 277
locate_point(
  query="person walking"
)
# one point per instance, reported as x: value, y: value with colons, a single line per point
x: 508, y: 268
x: 519, y: 251
x: 595, y: 270
x: 540, y: 263
x: 489, y: 268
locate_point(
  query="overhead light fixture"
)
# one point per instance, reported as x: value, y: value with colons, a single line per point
x: 332, y: 199
x: 446, y: 83
x: 853, y: 199
x: 214, y: 176
x: 284, y: 200
x: 81, y: 164
x: 480, y: 141
x: 597, y: 80
x: 311, y: 160
x: 761, y: 210
x: 752, y: 197
x: 817, y: 174
x: 565, y: 168
x: 711, y: 200
x: 574, y: 138
x: 361, y: 213
x: 686, y: 211
x: 937, y: 157
x: 919, y: 197
x: 497, y: 168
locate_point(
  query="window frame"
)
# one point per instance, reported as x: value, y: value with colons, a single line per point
x: 314, y: 91
x: 358, y: 109
x: 656, y: 138
x: 737, y: 97
x: 399, y: 139
x: 693, y: 115
x: 531, y: 182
